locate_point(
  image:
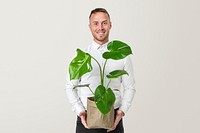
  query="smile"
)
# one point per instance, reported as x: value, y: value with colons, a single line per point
x: 100, y: 33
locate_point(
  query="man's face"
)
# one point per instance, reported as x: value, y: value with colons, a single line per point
x: 100, y: 26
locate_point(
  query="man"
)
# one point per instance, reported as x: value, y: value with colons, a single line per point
x: 100, y: 25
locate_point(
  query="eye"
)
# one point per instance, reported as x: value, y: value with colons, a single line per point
x: 105, y: 23
x: 95, y: 23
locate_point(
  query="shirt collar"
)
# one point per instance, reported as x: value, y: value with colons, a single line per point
x: 97, y: 46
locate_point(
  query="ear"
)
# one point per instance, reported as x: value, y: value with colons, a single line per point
x: 89, y: 25
x: 110, y: 25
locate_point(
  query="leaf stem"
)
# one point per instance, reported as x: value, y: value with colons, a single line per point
x: 91, y: 90
x: 101, y: 73
x: 108, y: 84
x: 104, y: 66
x: 85, y: 85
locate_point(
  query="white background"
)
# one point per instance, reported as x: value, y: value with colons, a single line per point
x: 38, y: 39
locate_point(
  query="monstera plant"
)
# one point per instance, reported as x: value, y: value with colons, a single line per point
x: 103, y: 96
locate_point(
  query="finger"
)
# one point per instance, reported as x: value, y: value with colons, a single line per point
x: 110, y: 130
x: 117, y: 119
x: 84, y: 123
x: 115, y: 124
x: 113, y: 128
x: 86, y: 126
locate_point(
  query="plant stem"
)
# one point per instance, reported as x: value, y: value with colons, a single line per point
x: 108, y: 84
x: 104, y: 66
x: 91, y: 90
x: 101, y: 73
x: 86, y: 85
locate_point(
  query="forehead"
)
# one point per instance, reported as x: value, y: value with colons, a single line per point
x: 99, y: 16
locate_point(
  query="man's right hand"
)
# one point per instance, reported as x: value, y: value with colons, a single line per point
x: 83, y: 116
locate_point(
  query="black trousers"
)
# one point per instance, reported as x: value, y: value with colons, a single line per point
x: 81, y: 129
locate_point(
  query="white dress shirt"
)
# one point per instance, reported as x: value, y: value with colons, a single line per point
x: 123, y: 87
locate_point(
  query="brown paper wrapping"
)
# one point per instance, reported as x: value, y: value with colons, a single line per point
x: 95, y: 119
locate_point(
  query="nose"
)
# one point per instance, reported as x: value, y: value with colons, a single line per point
x: 100, y: 26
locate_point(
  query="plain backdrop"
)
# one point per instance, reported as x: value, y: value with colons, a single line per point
x: 38, y: 39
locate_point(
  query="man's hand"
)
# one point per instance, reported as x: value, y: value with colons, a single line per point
x: 83, y: 116
x: 119, y: 115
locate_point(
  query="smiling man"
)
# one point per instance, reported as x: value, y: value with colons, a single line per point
x: 100, y: 26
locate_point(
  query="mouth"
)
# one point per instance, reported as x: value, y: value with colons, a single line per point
x: 100, y: 33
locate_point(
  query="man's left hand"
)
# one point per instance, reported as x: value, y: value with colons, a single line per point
x: 119, y: 115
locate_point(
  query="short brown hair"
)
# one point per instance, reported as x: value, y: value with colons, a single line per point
x: 99, y: 10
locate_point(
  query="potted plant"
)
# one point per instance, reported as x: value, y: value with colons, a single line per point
x: 104, y: 97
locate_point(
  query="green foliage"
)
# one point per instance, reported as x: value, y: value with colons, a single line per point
x: 117, y: 50
x: 104, y: 99
x: 116, y: 74
x: 81, y: 64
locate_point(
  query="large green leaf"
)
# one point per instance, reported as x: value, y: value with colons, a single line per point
x: 117, y: 50
x: 116, y: 74
x: 104, y: 99
x: 99, y: 92
x: 80, y: 65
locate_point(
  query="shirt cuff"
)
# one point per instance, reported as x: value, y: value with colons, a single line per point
x: 124, y: 109
x: 79, y: 110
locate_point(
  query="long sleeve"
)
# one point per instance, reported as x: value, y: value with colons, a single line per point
x: 128, y: 83
x: 72, y: 96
